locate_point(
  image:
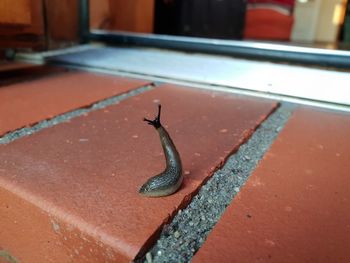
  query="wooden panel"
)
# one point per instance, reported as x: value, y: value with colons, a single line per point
x: 132, y: 15
x: 25, y: 36
x: 15, y: 12
x: 2, y: 55
x: 62, y: 22
x: 144, y: 16
x: 63, y: 19
x: 100, y: 15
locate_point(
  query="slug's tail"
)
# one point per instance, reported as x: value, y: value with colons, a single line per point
x: 156, y: 122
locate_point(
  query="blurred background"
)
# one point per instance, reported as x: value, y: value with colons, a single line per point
x: 51, y: 24
x: 323, y: 23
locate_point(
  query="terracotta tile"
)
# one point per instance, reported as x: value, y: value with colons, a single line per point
x: 26, y: 103
x: 31, y: 235
x: 86, y: 173
x: 23, y: 73
x: 8, y: 66
x: 294, y: 207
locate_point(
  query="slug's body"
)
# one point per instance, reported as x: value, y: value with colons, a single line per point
x: 171, y: 178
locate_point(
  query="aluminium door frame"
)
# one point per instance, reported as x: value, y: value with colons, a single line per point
x: 243, y: 49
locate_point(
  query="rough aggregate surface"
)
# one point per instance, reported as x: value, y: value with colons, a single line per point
x: 180, y: 239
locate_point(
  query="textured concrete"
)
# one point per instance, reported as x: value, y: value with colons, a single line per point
x: 294, y: 208
x: 85, y: 174
x: 29, y: 102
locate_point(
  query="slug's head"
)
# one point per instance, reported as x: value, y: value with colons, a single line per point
x: 156, y: 122
x: 156, y: 188
x: 150, y: 189
x: 144, y: 189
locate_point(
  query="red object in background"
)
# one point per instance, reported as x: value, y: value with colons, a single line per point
x: 286, y: 3
x: 268, y: 24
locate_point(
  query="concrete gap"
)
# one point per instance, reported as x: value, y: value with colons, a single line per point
x: 25, y: 131
x: 184, y: 235
x: 7, y: 257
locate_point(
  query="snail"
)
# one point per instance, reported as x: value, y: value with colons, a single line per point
x: 170, y: 180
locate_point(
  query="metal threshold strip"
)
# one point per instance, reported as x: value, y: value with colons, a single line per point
x: 242, y: 49
x: 310, y: 86
x: 244, y: 92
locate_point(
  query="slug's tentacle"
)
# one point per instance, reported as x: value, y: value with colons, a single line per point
x: 171, y: 178
x: 156, y: 122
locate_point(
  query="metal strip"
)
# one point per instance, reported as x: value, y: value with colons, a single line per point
x: 84, y: 21
x: 245, y: 49
x: 190, y: 84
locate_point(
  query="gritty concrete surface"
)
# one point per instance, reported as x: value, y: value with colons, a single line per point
x: 70, y: 115
x: 86, y: 173
x: 181, y: 239
x: 295, y: 205
x: 6, y: 257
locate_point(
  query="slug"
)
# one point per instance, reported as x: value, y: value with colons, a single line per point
x: 169, y: 181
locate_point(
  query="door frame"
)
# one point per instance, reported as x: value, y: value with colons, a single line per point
x: 243, y: 49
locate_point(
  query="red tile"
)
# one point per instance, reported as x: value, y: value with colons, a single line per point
x: 295, y: 206
x: 86, y: 173
x: 8, y: 66
x: 30, y: 102
x: 36, y: 236
x: 21, y: 73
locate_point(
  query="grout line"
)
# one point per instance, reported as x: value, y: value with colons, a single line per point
x: 188, y: 230
x: 7, y: 257
x: 26, y: 131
